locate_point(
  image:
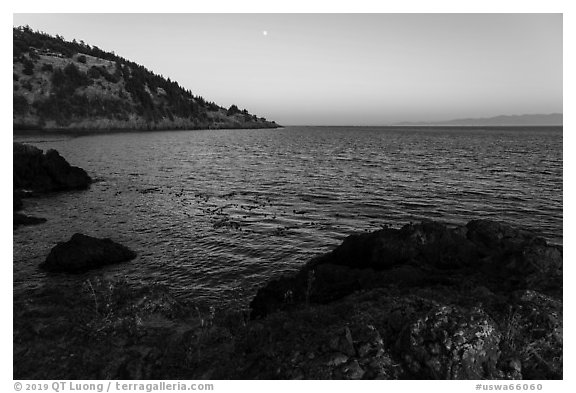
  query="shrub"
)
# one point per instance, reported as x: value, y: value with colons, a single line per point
x: 28, y: 67
x: 93, y: 72
x: 81, y: 59
x: 58, y: 78
x: 75, y: 77
x: 112, y: 78
x: 20, y: 105
x: 47, y: 67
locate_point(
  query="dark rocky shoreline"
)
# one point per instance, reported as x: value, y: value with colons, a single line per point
x: 428, y: 301
x: 488, y: 254
x: 36, y: 172
x: 40, y: 172
x: 481, y: 301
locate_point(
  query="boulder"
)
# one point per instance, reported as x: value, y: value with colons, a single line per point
x: 429, y: 243
x: 39, y: 172
x: 451, y: 343
x: 83, y: 252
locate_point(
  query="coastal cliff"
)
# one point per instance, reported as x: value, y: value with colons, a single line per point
x: 426, y: 301
x: 62, y: 85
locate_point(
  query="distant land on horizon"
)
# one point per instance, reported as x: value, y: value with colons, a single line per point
x: 552, y: 119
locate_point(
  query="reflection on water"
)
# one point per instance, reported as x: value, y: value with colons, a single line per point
x: 215, y: 214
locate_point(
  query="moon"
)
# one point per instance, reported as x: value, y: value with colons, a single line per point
x: 264, y: 33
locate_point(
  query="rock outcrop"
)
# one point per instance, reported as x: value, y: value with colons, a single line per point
x: 482, y: 253
x: 38, y: 173
x: 481, y: 301
x: 45, y: 172
x: 83, y: 253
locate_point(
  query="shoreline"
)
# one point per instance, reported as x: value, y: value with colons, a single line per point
x: 439, y: 127
x: 75, y: 131
x: 79, y: 132
x: 361, y: 314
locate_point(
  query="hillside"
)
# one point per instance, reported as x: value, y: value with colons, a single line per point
x: 535, y: 120
x: 62, y: 85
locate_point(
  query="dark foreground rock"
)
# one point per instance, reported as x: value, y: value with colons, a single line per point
x: 45, y: 172
x: 83, y: 252
x: 425, y: 302
x: 483, y: 253
x: 108, y: 330
x: 481, y: 301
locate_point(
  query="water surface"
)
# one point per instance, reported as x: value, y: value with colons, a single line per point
x: 216, y: 214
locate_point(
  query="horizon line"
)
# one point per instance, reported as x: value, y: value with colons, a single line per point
x: 421, y: 125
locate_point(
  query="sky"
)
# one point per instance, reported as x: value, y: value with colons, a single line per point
x: 341, y: 69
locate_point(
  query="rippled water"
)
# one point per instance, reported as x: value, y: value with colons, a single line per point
x: 215, y: 214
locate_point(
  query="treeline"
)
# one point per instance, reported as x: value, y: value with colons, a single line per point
x: 26, y: 38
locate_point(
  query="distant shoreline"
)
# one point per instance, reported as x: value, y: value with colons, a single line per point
x: 429, y: 126
x: 75, y: 131
x: 480, y: 126
x: 17, y: 131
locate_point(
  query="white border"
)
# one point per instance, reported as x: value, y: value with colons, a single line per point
x: 301, y: 6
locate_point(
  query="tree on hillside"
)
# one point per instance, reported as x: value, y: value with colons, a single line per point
x: 20, y: 105
x: 28, y: 66
x: 93, y: 72
x: 232, y: 110
x: 76, y: 77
